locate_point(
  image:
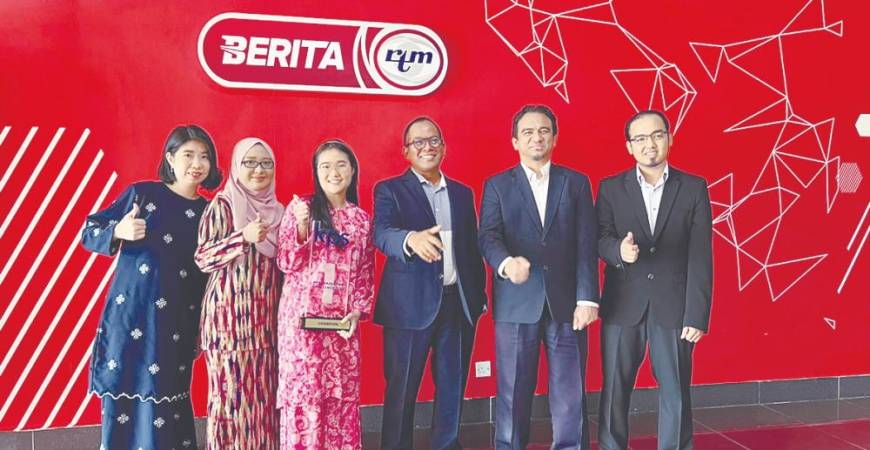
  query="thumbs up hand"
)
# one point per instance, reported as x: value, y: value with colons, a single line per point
x: 130, y: 228
x: 303, y: 214
x: 133, y: 212
x: 628, y: 250
x: 426, y: 244
x: 255, y: 231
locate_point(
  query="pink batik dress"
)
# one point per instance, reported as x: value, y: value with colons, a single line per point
x: 319, y: 371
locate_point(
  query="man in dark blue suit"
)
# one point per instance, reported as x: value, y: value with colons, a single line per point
x: 432, y: 288
x: 538, y: 231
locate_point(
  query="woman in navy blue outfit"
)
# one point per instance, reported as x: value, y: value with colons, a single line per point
x: 146, y: 341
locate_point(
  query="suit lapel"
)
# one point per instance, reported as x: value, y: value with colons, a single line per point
x: 454, y: 204
x: 635, y: 198
x: 671, y: 187
x: 525, y: 189
x: 413, y: 185
x: 554, y: 195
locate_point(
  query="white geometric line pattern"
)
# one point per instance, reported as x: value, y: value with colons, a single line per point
x: 43, y: 270
x: 801, y: 153
x: 858, y: 250
x: 534, y: 35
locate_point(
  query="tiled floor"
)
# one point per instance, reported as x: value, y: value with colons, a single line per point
x: 817, y: 425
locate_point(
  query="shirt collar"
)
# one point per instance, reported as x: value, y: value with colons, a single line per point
x: 441, y: 183
x: 532, y: 176
x: 661, y: 181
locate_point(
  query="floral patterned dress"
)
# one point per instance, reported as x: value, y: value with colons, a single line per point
x: 319, y: 371
x: 146, y: 341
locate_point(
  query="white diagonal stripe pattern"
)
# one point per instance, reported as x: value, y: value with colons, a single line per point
x: 58, y: 315
x: 22, y: 287
x: 50, y: 421
x: 36, y: 217
x: 17, y: 158
x: 4, y: 133
x: 56, y: 330
x: 858, y: 250
x: 22, y: 194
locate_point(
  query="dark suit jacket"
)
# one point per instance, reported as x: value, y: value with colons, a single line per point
x: 410, y: 292
x: 674, y: 271
x: 562, y: 252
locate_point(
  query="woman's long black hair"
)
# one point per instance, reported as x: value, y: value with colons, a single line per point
x: 319, y: 203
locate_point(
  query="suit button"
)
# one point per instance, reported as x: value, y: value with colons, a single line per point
x: 652, y: 249
x: 543, y: 243
x: 650, y: 276
x: 441, y: 276
x: 619, y: 266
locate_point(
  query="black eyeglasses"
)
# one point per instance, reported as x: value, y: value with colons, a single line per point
x: 644, y: 139
x: 252, y: 164
x: 420, y: 144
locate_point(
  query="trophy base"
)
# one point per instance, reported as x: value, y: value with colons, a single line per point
x: 324, y: 324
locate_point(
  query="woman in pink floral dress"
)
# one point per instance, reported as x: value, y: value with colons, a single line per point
x: 328, y: 235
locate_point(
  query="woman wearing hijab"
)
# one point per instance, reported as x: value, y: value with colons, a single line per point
x: 238, y: 242
x: 318, y: 381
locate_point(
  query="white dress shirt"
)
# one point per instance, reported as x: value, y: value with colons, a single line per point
x: 540, y: 186
x: 652, y: 196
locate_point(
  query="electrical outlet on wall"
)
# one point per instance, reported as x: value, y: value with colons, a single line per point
x: 482, y: 369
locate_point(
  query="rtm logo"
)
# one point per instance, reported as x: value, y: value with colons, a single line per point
x: 407, y: 58
x: 403, y: 58
x: 261, y: 51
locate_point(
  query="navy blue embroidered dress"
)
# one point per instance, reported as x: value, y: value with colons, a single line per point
x: 146, y: 341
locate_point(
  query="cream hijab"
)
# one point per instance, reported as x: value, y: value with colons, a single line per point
x: 246, y: 205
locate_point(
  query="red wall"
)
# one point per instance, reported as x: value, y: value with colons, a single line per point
x: 129, y: 74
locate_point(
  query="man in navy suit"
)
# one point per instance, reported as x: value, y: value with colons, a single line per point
x: 432, y: 287
x: 538, y: 231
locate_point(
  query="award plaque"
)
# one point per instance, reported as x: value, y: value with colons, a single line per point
x: 328, y: 285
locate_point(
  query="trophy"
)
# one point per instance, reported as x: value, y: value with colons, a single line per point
x: 329, y: 278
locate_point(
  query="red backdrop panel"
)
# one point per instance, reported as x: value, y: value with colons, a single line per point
x: 88, y: 93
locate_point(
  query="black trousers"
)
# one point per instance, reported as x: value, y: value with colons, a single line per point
x: 622, y: 352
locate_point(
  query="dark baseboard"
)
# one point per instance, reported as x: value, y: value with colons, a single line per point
x: 482, y: 410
